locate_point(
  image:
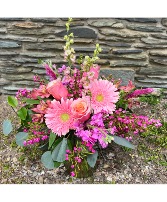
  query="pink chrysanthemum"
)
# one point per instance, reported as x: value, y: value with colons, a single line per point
x: 104, y: 96
x: 59, y: 117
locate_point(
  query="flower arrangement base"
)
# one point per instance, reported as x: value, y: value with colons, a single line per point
x: 83, y: 170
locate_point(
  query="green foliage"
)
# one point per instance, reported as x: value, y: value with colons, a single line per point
x: 92, y: 158
x: 158, y: 136
x: 123, y: 142
x: 47, y: 160
x: 59, y: 152
x: 52, y: 138
x: 20, y: 138
x: 7, y: 127
x: 122, y: 102
x: 22, y: 113
x: 12, y: 101
x: 150, y: 99
x: 32, y: 102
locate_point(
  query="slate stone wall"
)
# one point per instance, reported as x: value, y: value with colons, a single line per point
x: 133, y: 48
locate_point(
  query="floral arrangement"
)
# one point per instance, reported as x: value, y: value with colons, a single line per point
x: 77, y: 112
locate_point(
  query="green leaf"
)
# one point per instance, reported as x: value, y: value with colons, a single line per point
x: 7, y: 127
x: 12, y: 101
x: 47, y: 161
x: 123, y: 142
x: 69, y: 144
x: 92, y: 158
x: 32, y: 102
x: 59, y: 152
x: 44, y: 147
x: 52, y: 138
x: 56, y: 164
x: 22, y: 113
x: 20, y: 138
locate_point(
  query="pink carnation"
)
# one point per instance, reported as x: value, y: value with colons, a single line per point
x: 59, y: 117
x: 104, y: 96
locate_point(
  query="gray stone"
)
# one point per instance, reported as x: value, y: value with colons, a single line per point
x: 160, y: 60
x: 12, y: 19
x: 73, y: 23
x: 149, y: 46
x: 158, y: 52
x: 153, y: 70
x: 90, y: 49
x: 124, y: 75
x: 13, y: 88
x: 39, y: 71
x: 19, y: 77
x: 27, y: 83
x: 25, y: 60
x: 140, y: 56
x: 3, y: 81
x: 9, y: 44
x: 82, y: 32
x: 145, y: 28
x: 116, y: 44
x: 159, y: 36
x: 164, y: 22
x: 33, y: 31
x: 127, y: 63
x: 28, y: 25
x: 18, y: 38
x: 126, y: 51
x: 38, y: 55
x: 122, y: 33
x: 150, y: 85
x: 142, y: 20
x: 106, y: 23
x: 44, y: 46
x: 154, y: 81
x: 153, y: 41
x: 115, y: 39
x: 45, y: 20
x: 9, y: 70
x: 8, y: 53
x: 3, y: 30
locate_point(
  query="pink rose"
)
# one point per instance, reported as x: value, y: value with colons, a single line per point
x: 81, y: 109
x: 57, y: 90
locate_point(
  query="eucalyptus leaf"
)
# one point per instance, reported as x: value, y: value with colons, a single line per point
x: 59, y: 152
x: 22, y: 113
x: 46, y: 160
x: 92, y: 158
x: 123, y: 142
x: 7, y: 127
x: 52, y: 138
x: 12, y: 101
x: 20, y: 138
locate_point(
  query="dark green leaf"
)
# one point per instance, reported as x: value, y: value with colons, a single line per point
x: 52, y: 138
x: 22, y: 113
x: 59, y: 152
x: 44, y: 147
x: 56, y: 164
x: 47, y: 161
x: 92, y: 158
x: 31, y: 101
x: 7, y: 127
x: 12, y: 101
x: 123, y: 142
x: 69, y: 145
x: 57, y: 142
x: 20, y: 138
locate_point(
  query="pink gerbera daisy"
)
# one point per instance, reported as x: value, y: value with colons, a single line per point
x: 59, y: 117
x: 104, y: 96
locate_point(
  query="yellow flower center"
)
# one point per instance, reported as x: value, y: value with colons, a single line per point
x: 65, y: 117
x: 99, y: 98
